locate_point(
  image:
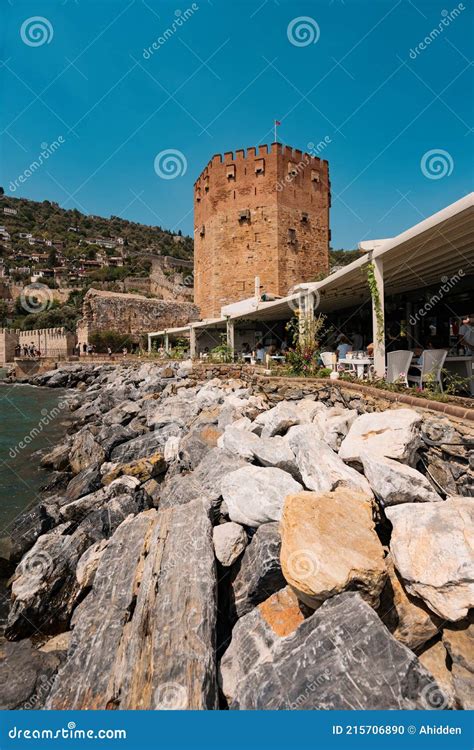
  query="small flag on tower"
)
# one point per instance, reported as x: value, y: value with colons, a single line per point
x: 276, y: 123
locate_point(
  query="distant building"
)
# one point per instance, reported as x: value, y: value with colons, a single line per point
x: 10, y: 211
x: 263, y: 215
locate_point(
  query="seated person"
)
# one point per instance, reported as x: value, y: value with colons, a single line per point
x: 343, y: 347
x: 260, y: 352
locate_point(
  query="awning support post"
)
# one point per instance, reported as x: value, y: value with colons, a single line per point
x: 378, y: 313
x: 230, y: 335
x: 167, y: 342
x: 192, y: 342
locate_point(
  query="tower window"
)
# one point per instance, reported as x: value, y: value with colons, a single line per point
x: 230, y: 172
x: 314, y: 175
x: 292, y: 236
x: 292, y: 169
x: 202, y: 231
x: 206, y: 184
x: 259, y: 166
x: 244, y: 215
x: 304, y: 217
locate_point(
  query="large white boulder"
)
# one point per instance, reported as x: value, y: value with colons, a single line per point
x: 394, y: 433
x: 255, y: 495
x: 320, y: 467
x: 280, y: 418
x: 394, y: 483
x: 432, y: 549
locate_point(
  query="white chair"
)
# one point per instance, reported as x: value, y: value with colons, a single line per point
x: 432, y: 361
x: 398, y: 364
x: 328, y: 359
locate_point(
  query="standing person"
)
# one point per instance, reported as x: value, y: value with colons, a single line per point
x: 109, y: 352
x: 466, y: 333
x: 357, y: 342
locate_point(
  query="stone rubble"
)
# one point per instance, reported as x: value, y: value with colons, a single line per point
x: 211, y: 542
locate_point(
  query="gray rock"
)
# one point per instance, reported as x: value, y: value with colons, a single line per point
x: 26, y: 675
x: 57, y: 459
x: 394, y: 483
x: 259, y: 575
x: 230, y: 540
x: 144, y: 637
x: 255, y: 495
x: 204, y: 482
x: 85, y: 450
x: 320, y: 467
x: 87, y: 481
x: 44, y: 586
x: 280, y: 418
x: 340, y: 658
x: 139, y: 447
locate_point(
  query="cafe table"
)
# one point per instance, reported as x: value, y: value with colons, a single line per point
x: 362, y: 365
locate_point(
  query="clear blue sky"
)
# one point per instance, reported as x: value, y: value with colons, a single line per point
x: 219, y: 81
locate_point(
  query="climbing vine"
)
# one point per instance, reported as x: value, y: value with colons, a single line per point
x: 375, y: 294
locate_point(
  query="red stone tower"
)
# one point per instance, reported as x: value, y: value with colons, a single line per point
x: 265, y: 215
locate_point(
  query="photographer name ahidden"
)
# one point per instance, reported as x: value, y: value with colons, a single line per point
x: 439, y: 729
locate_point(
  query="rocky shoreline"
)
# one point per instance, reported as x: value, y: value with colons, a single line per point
x: 216, y: 544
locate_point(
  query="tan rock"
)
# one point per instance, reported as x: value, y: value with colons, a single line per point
x: 408, y: 618
x: 57, y: 643
x: 329, y: 545
x: 438, y: 695
x: 143, y: 469
x: 282, y: 611
x: 459, y: 641
x: 432, y: 549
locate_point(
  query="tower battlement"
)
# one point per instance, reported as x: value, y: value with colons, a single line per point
x: 259, y: 212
